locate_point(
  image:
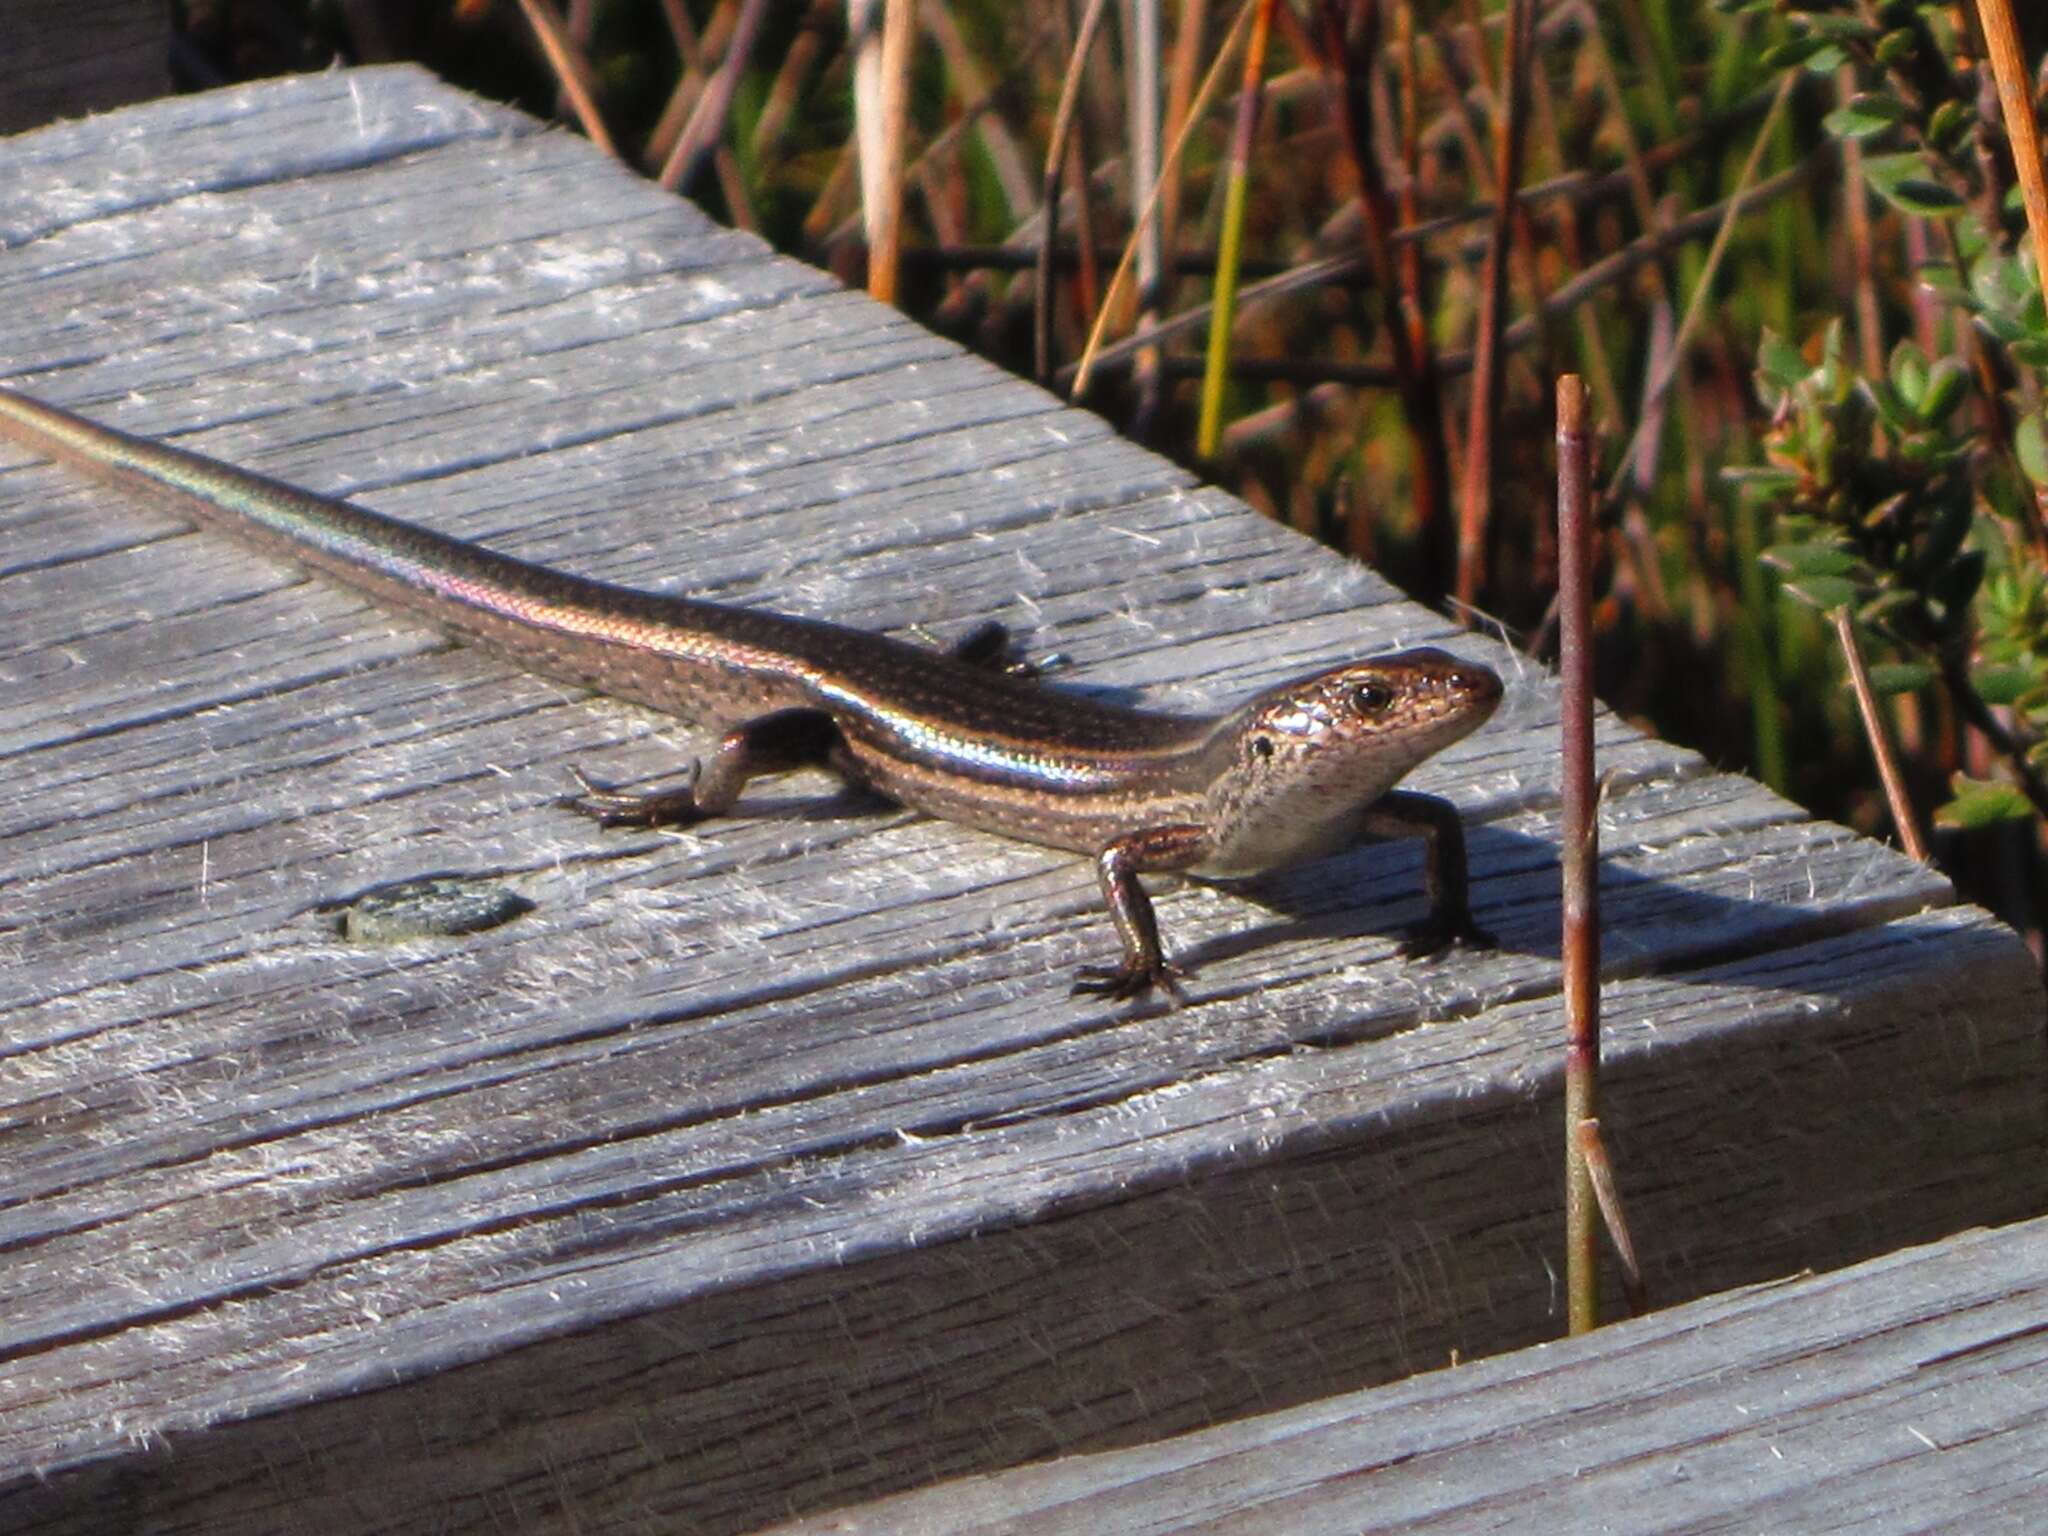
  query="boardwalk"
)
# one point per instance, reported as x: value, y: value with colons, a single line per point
x: 771, y: 1168
x: 1907, y: 1394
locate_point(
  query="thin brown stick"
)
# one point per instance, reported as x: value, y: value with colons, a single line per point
x: 1476, y: 506
x: 1049, y: 201
x: 966, y: 78
x: 1142, y: 97
x: 1180, y: 90
x: 706, y: 126
x: 899, y: 26
x: 572, y: 71
x: 700, y: 56
x: 1088, y: 276
x: 2023, y: 135
x: 1408, y: 257
x: 796, y: 67
x: 576, y: 32
x: 1862, y: 257
x: 681, y: 30
x: 1350, y: 48
x: 1880, y: 741
x: 822, y: 225
x: 1592, y: 348
x: 969, y: 119
x: 1709, y: 269
x: 1079, y: 371
x: 1587, y: 189
x: 1348, y: 266
x: 966, y: 256
x: 890, y: 101
x: 1610, y: 269
x: 2022, y: 132
x: 1581, y: 857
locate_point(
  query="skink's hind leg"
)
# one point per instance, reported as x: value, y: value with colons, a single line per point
x: 1445, y: 878
x: 1144, y: 965
x: 612, y: 807
x: 789, y: 738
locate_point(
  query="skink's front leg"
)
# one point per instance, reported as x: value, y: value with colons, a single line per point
x: 1445, y: 878
x: 777, y: 743
x: 1159, y: 849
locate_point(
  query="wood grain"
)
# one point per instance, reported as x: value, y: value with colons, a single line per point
x: 770, y: 1167
x: 1906, y: 1394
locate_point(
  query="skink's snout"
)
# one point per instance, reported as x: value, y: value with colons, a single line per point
x: 1468, y: 682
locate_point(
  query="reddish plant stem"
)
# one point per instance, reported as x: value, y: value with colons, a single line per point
x: 1575, y: 528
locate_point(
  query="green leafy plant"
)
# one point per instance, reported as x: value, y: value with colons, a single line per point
x: 1912, y: 499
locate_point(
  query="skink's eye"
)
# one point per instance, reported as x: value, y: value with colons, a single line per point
x: 1262, y: 747
x: 1371, y: 698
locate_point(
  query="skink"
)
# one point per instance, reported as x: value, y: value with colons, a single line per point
x: 1293, y: 773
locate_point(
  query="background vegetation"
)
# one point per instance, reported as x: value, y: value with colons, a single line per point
x: 1784, y: 244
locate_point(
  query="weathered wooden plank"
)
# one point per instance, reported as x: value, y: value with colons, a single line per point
x: 1906, y: 1394
x: 1261, y: 1206
x: 771, y: 1165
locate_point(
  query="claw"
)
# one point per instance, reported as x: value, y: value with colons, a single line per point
x: 1435, y: 934
x: 1129, y: 981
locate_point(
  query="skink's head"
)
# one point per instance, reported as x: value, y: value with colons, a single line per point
x: 1306, y: 758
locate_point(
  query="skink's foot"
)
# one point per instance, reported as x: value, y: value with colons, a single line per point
x: 990, y: 646
x: 619, y: 808
x: 1131, y: 980
x: 1437, y: 933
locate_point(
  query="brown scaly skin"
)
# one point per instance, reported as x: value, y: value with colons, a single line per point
x: 1298, y: 771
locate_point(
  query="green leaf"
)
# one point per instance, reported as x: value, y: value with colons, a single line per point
x: 1888, y: 677
x: 1818, y: 559
x: 1896, y: 47
x: 1863, y: 116
x: 2001, y: 327
x: 2031, y: 442
x: 1780, y: 362
x: 1899, y: 416
x: 1981, y: 803
x: 1946, y: 386
x: 2001, y: 684
x: 1906, y: 182
x: 1765, y: 481
x: 1794, y: 50
x: 2031, y: 350
x: 1929, y: 199
x: 1995, y: 282
x: 1909, y: 374
x: 1946, y: 284
x: 1826, y: 593
x: 1949, y: 124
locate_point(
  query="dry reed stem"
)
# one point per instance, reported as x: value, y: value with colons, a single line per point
x: 572, y: 72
